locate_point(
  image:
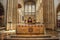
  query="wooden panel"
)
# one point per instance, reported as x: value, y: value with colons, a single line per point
x: 30, y: 29
x: 22, y: 29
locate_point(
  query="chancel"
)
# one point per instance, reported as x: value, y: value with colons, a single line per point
x: 29, y: 20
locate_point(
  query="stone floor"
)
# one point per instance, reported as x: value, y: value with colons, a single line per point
x: 12, y: 36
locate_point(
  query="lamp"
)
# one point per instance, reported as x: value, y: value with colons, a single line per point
x: 19, y: 6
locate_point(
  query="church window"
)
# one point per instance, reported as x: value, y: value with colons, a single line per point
x: 29, y: 9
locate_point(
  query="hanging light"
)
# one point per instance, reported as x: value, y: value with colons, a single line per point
x: 19, y: 6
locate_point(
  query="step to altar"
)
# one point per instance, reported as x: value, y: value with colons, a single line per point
x: 30, y: 37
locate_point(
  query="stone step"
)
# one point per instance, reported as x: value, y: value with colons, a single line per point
x: 31, y: 39
x: 30, y: 36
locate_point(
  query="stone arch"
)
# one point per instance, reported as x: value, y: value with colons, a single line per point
x: 58, y: 8
x: 1, y: 9
x: 1, y: 15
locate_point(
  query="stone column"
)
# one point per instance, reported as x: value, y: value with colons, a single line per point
x: 49, y: 15
x: 15, y: 14
x: 45, y: 12
x: 11, y: 14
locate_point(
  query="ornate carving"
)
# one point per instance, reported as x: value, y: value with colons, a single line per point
x: 30, y: 29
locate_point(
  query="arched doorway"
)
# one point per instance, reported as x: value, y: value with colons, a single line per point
x: 2, y: 16
x: 58, y: 16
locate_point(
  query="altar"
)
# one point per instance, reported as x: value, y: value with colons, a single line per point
x: 34, y: 29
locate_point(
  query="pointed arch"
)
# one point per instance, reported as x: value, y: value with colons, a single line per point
x: 58, y: 16
x: 58, y: 8
x: 1, y: 15
x: 1, y: 9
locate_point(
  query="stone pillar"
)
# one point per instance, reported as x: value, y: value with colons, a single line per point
x: 49, y: 15
x: 11, y: 14
x: 45, y: 12
x: 15, y: 14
